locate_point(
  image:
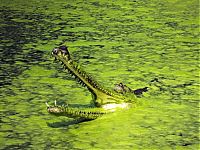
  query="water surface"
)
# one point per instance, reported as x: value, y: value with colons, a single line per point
x: 140, y: 43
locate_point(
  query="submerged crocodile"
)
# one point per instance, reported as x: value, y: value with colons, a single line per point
x: 104, y: 101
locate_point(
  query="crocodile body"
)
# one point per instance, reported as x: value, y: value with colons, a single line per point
x: 104, y: 100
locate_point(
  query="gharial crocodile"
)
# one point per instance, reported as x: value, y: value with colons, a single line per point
x: 104, y: 100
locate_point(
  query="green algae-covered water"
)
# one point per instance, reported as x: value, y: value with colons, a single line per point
x: 138, y: 42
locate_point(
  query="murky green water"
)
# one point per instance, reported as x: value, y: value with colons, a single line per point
x: 127, y: 41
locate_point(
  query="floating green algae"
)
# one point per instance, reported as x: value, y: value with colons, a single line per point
x: 140, y: 43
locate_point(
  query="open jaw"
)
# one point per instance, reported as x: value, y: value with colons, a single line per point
x: 104, y: 100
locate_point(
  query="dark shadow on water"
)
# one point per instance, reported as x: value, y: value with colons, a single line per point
x: 17, y: 30
x: 66, y: 123
x: 18, y: 146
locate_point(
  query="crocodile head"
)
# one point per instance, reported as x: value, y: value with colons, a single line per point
x: 104, y: 100
x: 101, y: 95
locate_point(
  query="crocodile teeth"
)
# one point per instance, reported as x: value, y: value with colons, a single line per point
x: 55, y: 103
x: 65, y: 67
x: 55, y: 60
x: 47, y: 104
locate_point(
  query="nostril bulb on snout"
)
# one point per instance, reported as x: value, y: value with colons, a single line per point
x: 64, y: 49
